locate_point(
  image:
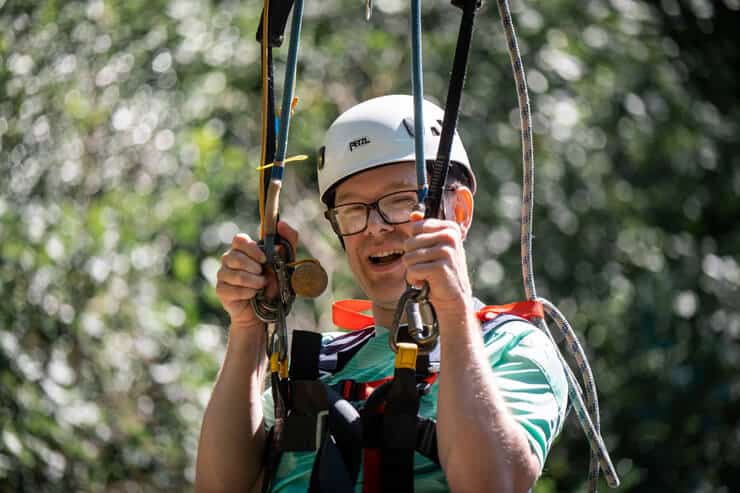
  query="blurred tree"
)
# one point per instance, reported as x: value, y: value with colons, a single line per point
x: 128, y: 141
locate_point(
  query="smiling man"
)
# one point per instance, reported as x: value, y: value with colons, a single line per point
x: 500, y: 397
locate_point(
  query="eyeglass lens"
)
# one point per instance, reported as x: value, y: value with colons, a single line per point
x: 394, y: 208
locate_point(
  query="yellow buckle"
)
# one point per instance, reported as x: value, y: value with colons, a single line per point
x: 274, y: 362
x: 284, y: 369
x: 279, y: 366
x: 406, y: 355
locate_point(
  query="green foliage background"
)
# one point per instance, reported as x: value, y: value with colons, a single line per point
x: 129, y: 137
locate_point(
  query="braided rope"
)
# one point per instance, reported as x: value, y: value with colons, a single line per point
x: 588, y: 412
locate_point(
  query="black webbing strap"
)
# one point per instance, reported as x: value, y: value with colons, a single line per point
x: 399, y: 433
x: 320, y: 420
x: 389, y: 426
x: 308, y: 405
x: 304, y: 355
x: 337, y: 463
x: 438, y: 174
x: 270, y: 458
x: 329, y: 473
x: 426, y: 438
x: 279, y: 12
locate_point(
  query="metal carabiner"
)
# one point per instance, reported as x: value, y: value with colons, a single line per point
x: 415, y: 304
x: 267, y: 309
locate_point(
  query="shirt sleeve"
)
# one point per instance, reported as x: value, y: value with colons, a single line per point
x: 532, y: 380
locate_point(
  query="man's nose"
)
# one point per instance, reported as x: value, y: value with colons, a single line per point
x: 375, y: 222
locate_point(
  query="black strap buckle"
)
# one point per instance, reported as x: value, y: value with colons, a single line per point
x: 426, y: 438
x: 461, y: 3
x: 279, y: 11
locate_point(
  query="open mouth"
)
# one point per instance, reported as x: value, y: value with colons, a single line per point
x: 384, y: 258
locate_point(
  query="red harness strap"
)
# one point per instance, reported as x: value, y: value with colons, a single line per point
x: 352, y: 390
x: 360, y: 391
x: 370, y: 470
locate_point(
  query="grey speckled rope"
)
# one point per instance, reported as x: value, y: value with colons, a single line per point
x: 588, y: 412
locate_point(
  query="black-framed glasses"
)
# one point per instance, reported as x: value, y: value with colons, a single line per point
x: 395, y: 208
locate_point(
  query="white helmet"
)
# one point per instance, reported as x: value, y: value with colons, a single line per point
x: 377, y: 132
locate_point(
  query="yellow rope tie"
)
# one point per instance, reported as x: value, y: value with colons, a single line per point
x: 303, y: 261
x: 293, y: 104
x: 292, y: 159
x: 299, y: 157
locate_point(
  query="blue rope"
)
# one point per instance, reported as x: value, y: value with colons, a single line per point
x: 288, y: 88
x: 417, y: 88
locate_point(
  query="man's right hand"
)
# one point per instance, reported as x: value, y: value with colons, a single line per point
x: 242, y: 275
x: 233, y: 434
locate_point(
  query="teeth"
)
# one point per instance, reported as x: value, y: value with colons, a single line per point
x: 387, y: 253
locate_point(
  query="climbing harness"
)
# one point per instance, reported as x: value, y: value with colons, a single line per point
x: 381, y: 437
x: 312, y: 416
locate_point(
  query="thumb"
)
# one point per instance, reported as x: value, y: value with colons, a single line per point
x: 288, y: 233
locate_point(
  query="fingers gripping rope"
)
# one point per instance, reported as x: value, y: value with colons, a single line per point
x: 588, y: 412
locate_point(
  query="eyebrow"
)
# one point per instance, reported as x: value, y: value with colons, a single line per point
x: 396, y: 186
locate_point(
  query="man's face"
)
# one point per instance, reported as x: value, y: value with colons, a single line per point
x: 375, y: 255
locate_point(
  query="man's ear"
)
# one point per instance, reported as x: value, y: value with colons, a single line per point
x: 462, y: 208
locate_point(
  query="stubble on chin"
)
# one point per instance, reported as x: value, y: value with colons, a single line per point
x: 382, y: 290
x: 387, y: 298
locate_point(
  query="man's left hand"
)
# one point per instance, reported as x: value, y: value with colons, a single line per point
x: 435, y: 254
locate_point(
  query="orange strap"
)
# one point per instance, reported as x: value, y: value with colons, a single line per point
x: 524, y: 309
x: 348, y: 314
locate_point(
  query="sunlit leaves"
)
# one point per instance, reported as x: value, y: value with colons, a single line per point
x: 129, y: 138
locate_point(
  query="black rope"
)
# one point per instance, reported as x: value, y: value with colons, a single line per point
x: 271, y: 133
x: 452, y: 107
